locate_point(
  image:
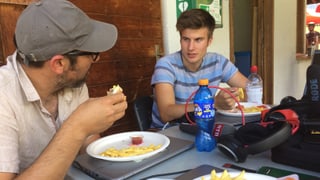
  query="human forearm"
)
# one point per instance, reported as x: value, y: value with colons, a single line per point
x: 174, y: 111
x: 88, y: 141
x: 55, y: 160
x: 92, y: 117
x: 224, y: 100
x: 166, y: 102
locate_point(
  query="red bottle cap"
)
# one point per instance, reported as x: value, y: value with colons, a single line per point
x: 254, y: 69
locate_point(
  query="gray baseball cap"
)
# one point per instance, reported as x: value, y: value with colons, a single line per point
x: 50, y: 27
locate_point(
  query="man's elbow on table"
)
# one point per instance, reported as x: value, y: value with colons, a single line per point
x: 165, y: 117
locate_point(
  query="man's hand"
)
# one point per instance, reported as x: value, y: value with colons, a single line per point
x: 225, y: 101
x: 98, y: 114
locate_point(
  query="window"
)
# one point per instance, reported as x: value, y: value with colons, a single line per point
x: 301, y: 24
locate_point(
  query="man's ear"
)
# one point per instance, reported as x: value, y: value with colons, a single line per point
x: 57, y: 64
x: 210, y: 41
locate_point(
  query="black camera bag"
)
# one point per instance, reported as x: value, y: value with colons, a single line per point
x: 303, y: 148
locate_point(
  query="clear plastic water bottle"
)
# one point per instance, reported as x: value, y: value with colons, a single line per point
x: 254, y: 87
x: 204, y: 116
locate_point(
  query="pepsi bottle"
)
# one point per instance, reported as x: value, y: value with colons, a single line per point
x: 204, y: 117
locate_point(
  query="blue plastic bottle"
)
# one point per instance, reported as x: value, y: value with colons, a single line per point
x: 204, y: 116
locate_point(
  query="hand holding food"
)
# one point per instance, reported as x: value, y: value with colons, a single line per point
x: 224, y: 100
x: 98, y: 114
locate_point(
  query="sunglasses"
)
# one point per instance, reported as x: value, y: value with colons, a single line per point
x: 94, y: 55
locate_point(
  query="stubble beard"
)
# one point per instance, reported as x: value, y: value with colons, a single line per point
x: 63, y: 82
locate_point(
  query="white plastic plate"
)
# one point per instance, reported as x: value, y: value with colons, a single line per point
x: 237, y: 112
x: 123, y: 140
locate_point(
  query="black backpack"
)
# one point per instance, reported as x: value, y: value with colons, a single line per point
x: 302, y: 149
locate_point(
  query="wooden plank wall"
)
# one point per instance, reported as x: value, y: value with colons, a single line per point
x: 129, y: 63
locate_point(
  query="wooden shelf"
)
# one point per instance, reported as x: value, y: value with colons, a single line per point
x: 19, y: 2
x: 302, y: 57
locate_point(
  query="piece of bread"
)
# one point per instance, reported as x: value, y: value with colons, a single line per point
x: 115, y: 89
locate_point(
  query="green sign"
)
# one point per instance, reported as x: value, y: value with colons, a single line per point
x: 183, y: 5
x: 214, y: 7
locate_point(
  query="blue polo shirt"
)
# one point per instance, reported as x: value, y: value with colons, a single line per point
x: 170, y: 69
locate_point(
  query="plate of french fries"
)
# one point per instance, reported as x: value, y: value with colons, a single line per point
x: 225, y: 175
x: 123, y: 146
x: 249, y: 109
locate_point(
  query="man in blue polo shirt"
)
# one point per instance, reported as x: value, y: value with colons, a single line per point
x: 176, y: 75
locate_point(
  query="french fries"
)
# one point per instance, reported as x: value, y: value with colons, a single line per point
x: 252, y: 109
x: 225, y: 176
x: 241, y: 94
x: 129, y: 151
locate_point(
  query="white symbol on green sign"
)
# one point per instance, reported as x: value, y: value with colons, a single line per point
x: 183, y: 6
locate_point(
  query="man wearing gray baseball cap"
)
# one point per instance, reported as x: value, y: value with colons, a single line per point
x: 46, y: 115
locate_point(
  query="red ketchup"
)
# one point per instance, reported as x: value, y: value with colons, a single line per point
x: 136, y: 139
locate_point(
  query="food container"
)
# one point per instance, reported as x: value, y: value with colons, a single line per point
x: 136, y: 139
